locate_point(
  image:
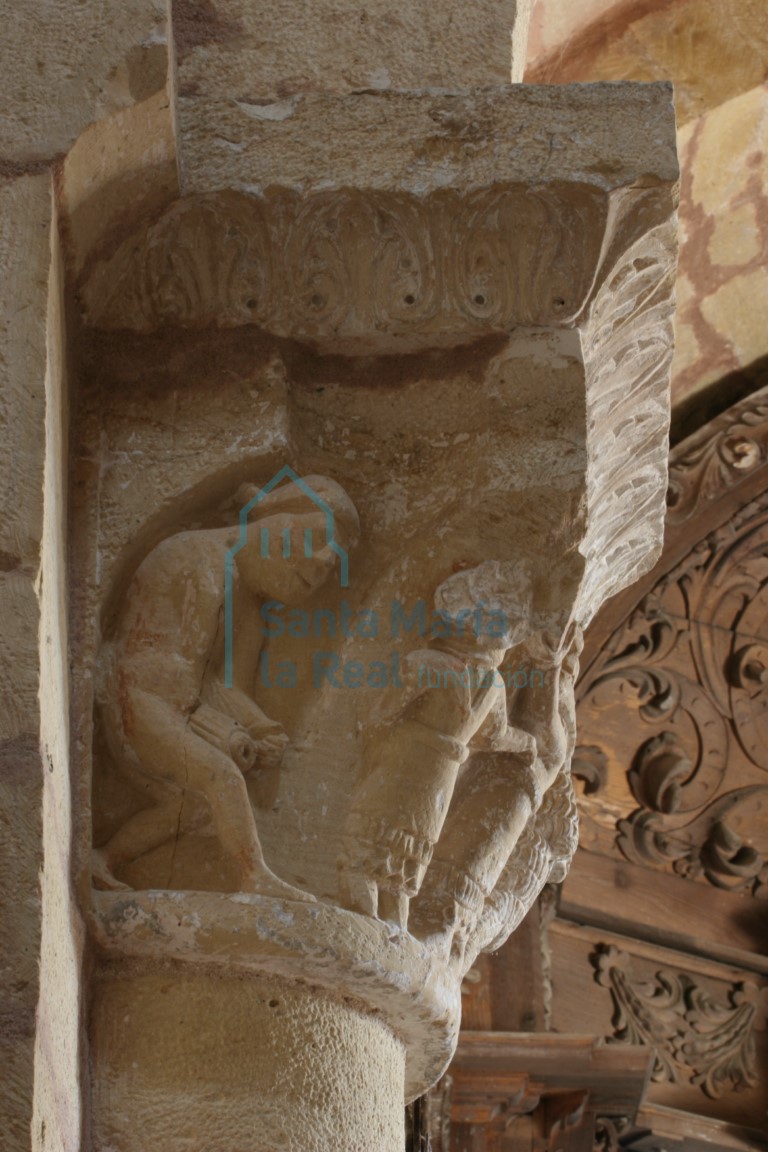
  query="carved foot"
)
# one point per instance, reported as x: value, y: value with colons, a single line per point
x: 358, y: 893
x: 446, y: 928
x: 264, y: 883
x: 101, y: 874
x: 393, y: 907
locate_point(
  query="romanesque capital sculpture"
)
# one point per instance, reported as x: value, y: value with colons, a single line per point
x: 382, y: 430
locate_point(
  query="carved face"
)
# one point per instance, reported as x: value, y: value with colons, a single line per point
x: 286, y: 557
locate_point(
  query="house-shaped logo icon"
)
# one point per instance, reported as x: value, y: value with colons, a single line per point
x: 309, y: 545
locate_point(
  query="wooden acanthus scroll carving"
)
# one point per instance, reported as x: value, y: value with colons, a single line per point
x: 691, y: 659
x: 695, y: 1038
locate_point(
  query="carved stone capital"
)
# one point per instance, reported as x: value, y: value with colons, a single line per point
x: 408, y: 391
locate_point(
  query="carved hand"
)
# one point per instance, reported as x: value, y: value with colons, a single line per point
x: 260, y: 727
x: 242, y: 749
x: 270, y: 747
x: 225, y: 734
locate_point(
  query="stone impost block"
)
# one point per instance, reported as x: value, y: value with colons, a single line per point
x: 390, y: 223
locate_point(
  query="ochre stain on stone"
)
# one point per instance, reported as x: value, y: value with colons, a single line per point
x: 12, y: 169
x: 173, y: 358
x: 307, y: 369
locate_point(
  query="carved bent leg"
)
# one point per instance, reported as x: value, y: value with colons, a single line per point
x: 537, y: 710
x: 358, y: 891
x: 166, y: 746
x: 393, y: 906
x: 143, y: 832
x: 492, y: 805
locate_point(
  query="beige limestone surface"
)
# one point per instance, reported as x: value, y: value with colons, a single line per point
x: 226, y: 1063
x: 40, y: 925
x: 120, y: 171
x: 58, y: 1114
x: 390, y: 223
x: 376, y: 428
x: 25, y: 252
x: 379, y: 427
x: 449, y: 305
x: 456, y: 308
x: 418, y: 142
x: 68, y: 64
x: 263, y: 55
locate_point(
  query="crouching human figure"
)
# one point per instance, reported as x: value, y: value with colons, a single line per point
x: 503, y: 787
x: 176, y: 699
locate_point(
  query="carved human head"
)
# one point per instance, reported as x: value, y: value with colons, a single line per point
x: 295, y: 536
x: 494, y: 600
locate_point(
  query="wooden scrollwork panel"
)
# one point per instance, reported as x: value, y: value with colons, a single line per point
x: 673, y: 701
x: 695, y: 1038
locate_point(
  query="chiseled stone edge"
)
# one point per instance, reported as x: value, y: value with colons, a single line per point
x: 471, y: 214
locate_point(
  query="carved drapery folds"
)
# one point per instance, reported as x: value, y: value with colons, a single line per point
x: 303, y: 770
x: 690, y: 658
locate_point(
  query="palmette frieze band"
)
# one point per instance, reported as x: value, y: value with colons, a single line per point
x: 368, y: 270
